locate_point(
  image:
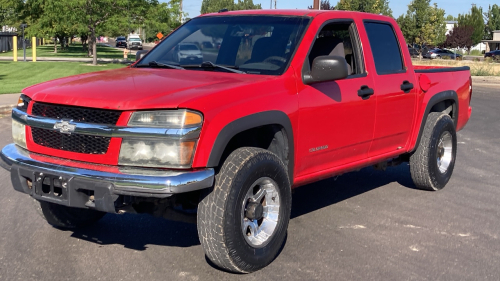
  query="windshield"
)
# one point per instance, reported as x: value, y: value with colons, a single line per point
x: 253, y: 44
x: 188, y: 48
x: 135, y: 39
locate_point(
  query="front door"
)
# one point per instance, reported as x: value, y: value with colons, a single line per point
x: 336, y: 124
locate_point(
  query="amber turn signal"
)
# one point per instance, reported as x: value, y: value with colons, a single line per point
x: 192, y: 118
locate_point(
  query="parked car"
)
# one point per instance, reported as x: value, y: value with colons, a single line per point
x: 134, y: 42
x: 207, y: 45
x: 493, y: 54
x: 223, y: 143
x: 121, y: 42
x: 442, y: 53
x: 188, y: 53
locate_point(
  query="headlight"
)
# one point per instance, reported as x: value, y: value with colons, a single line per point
x: 157, y: 153
x: 176, y: 119
x: 166, y: 152
x: 19, y: 133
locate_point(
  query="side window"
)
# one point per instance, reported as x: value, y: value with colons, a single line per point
x: 385, y: 48
x: 339, y: 39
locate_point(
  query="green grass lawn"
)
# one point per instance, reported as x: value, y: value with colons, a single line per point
x: 14, y: 76
x: 73, y: 51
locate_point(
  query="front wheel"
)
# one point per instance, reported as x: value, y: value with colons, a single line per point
x: 431, y: 165
x: 242, y: 223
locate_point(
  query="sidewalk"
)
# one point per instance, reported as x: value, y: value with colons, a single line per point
x: 29, y: 59
x: 7, y: 102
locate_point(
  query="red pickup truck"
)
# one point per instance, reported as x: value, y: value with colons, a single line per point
x: 222, y: 119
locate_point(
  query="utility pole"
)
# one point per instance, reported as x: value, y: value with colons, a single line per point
x: 271, y: 6
x: 275, y: 4
x: 316, y: 5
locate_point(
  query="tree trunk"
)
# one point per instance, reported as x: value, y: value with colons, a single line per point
x: 89, y: 44
x: 55, y: 44
x: 94, y: 48
x: 61, y: 41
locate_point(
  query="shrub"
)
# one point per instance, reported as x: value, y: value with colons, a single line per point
x: 483, y: 70
x: 475, y: 53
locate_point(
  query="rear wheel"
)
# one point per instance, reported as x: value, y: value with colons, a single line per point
x: 66, y: 217
x: 242, y: 223
x: 432, y: 164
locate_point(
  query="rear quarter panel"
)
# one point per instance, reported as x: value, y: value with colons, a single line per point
x: 442, y: 80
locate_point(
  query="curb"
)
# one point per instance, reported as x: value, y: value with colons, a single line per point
x: 6, y: 109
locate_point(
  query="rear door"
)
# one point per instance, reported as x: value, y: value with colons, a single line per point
x: 394, y: 86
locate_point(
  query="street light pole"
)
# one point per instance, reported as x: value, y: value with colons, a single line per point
x: 23, y: 26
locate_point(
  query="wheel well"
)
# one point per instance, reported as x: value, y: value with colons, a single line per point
x: 446, y: 106
x: 270, y: 137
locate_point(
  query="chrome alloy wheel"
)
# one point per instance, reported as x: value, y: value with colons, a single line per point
x: 444, y: 152
x: 260, y: 212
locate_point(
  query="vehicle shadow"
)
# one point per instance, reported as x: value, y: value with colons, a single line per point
x: 315, y: 196
x: 137, y: 231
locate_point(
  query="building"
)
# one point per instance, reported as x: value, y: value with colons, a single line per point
x: 449, y: 26
x: 7, y: 28
x: 493, y: 44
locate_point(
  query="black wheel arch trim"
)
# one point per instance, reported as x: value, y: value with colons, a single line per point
x: 273, y: 117
x: 437, y: 98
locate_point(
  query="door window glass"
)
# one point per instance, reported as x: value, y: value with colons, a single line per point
x: 385, y: 48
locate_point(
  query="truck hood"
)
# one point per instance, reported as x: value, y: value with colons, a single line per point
x: 137, y: 88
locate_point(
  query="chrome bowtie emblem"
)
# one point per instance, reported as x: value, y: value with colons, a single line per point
x: 65, y: 127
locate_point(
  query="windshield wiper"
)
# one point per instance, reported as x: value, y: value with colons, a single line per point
x: 207, y: 64
x: 155, y: 63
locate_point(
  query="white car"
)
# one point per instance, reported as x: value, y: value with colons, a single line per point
x: 134, y: 42
x: 188, y: 53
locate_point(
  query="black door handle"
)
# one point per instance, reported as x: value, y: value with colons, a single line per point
x: 365, y: 92
x: 406, y: 86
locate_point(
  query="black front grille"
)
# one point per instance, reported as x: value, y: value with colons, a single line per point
x: 77, y: 114
x: 74, y: 142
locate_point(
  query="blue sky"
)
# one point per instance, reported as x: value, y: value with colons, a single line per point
x: 453, y: 7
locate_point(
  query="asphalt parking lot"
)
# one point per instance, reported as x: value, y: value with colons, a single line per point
x: 366, y: 225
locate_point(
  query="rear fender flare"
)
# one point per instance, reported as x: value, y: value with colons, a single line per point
x: 437, y: 98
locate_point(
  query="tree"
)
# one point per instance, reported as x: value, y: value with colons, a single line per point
x: 492, y: 21
x: 48, y: 18
x: 368, y: 6
x: 459, y: 37
x: 423, y: 24
x: 213, y: 6
x: 9, y: 10
x: 95, y: 14
x: 450, y: 18
x: 474, y: 19
x: 325, y: 5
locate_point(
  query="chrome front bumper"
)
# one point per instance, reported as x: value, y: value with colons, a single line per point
x: 138, y: 182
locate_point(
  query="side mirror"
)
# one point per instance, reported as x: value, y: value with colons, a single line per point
x: 327, y: 68
x: 140, y: 54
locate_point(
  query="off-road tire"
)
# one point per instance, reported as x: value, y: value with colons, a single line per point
x: 67, y: 217
x: 423, y: 162
x: 219, y: 212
